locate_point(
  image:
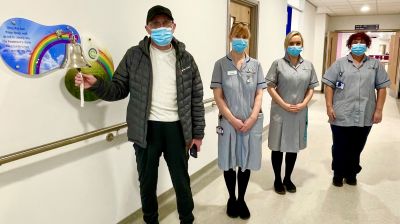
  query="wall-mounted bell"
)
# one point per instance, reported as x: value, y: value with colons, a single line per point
x: 74, y: 56
x: 74, y: 59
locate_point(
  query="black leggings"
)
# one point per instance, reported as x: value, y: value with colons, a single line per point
x: 290, y: 160
x: 243, y: 180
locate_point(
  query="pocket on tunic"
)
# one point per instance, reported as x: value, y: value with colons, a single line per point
x: 340, y: 108
x: 224, y: 128
x: 258, y: 126
x: 256, y: 132
x: 275, y: 134
x: 226, y: 145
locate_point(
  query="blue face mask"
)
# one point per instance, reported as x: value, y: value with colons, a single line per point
x: 294, y: 50
x: 161, y: 36
x: 358, y: 49
x: 239, y: 44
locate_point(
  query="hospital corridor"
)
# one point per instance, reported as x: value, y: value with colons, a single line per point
x: 200, y: 112
x: 373, y: 200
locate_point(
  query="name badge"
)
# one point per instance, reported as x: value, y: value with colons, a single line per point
x: 220, y: 130
x: 251, y: 70
x: 339, y: 85
x: 234, y: 72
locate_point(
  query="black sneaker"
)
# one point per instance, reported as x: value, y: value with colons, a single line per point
x: 278, y: 187
x: 337, y: 181
x: 243, y: 210
x: 290, y: 187
x: 231, y: 208
x: 351, y: 181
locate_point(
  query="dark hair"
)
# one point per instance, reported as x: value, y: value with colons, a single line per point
x: 359, y: 35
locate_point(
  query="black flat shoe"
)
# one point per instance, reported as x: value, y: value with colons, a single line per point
x: 231, y: 208
x: 290, y: 187
x: 278, y: 187
x: 337, y: 181
x: 243, y: 210
x: 351, y: 181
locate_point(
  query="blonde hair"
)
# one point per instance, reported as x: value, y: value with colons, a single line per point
x: 290, y: 35
x: 240, y: 30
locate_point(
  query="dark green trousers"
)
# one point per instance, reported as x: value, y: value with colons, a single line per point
x: 164, y: 138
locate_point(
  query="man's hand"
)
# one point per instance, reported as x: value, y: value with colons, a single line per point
x: 88, y: 80
x: 197, y: 142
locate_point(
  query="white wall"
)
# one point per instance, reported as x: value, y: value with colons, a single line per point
x: 321, y: 22
x: 348, y: 22
x: 95, y: 181
x: 307, y: 29
x: 272, y: 27
x: 312, y: 26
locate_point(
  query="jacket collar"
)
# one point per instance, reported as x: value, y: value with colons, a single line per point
x: 144, y: 45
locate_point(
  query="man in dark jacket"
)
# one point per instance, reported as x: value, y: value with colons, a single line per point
x: 165, y: 113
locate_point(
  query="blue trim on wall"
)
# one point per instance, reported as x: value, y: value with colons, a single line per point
x: 289, y: 20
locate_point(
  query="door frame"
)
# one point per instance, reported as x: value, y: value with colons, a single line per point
x: 254, y: 7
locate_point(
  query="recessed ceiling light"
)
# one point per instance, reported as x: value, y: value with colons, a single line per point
x: 365, y: 8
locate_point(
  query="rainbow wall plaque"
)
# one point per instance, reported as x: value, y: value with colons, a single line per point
x: 31, y: 48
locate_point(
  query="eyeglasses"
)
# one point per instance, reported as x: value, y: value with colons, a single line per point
x: 158, y: 24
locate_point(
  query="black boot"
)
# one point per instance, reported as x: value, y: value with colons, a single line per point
x: 290, y: 187
x: 243, y: 210
x: 290, y: 160
x: 232, y: 208
x: 278, y: 187
x: 352, y: 180
x: 243, y: 180
x: 337, y: 181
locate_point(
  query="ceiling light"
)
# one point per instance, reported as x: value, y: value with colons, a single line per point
x: 365, y: 8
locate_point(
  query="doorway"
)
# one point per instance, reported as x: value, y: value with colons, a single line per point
x: 245, y: 11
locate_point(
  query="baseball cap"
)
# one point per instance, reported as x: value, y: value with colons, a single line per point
x: 158, y: 10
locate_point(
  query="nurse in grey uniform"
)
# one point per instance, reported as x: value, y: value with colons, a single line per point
x: 238, y: 83
x: 355, y: 94
x: 291, y: 81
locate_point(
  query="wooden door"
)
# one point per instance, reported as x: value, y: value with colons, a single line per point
x: 330, y: 52
x: 332, y: 42
x: 393, y: 65
x: 242, y: 13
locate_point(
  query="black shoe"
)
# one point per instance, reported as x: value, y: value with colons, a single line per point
x: 337, y: 181
x: 290, y: 187
x: 231, y: 208
x: 278, y: 187
x: 351, y: 181
x: 243, y: 210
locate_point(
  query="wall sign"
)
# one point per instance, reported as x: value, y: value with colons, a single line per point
x: 367, y: 27
x: 31, y: 48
